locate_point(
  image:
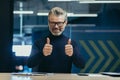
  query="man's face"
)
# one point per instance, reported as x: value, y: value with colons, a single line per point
x: 56, y: 24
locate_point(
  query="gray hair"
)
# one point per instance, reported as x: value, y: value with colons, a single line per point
x: 57, y: 11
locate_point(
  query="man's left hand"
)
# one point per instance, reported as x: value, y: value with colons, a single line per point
x: 69, y: 48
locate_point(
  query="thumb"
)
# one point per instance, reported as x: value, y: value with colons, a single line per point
x: 48, y: 40
x: 69, y: 41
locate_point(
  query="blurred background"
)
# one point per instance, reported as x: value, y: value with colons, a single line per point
x: 93, y: 24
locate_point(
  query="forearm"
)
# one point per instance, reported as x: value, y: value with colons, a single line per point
x: 35, y: 58
x: 78, y: 61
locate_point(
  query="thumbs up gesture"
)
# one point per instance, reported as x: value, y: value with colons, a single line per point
x: 69, y: 48
x: 47, y: 50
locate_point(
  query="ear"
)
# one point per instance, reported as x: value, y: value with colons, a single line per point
x: 66, y: 22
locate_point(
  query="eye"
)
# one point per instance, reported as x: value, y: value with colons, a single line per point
x: 56, y: 23
x: 60, y: 23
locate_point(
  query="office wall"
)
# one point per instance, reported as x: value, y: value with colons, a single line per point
x: 100, y: 44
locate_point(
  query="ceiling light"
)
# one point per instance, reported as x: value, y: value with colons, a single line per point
x: 42, y: 14
x: 71, y: 15
x: 93, y: 1
x: 62, y: 0
x: 82, y: 15
x: 23, y: 12
x: 82, y: 25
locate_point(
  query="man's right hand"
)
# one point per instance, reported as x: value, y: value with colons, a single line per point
x: 47, y: 50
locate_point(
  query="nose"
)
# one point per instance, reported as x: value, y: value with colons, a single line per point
x: 56, y: 26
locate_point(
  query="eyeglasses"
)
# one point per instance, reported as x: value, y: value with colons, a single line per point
x: 58, y: 23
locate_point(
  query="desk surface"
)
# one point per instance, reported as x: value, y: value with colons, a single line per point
x: 9, y: 76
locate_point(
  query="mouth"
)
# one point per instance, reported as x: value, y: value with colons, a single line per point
x: 56, y: 30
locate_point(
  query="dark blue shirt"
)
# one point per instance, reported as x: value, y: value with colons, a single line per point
x: 58, y: 61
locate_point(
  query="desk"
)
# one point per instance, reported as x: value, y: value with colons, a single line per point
x: 9, y: 76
